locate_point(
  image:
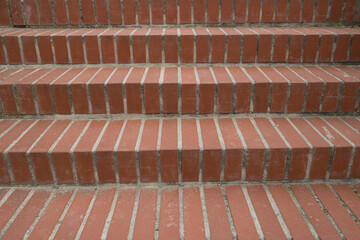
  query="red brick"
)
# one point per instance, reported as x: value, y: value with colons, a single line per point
x: 12, y: 48
x: 265, y: 45
x: 267, y: 11
x: 342, y: 151
x: 353, y: 122
x: 60, y: 46
x: 352, y: 72
x: 143, y: 11
x: 60, y: 12
x: 170, y: 90
x: 350, y: 11
x: 254, y: 11
x: 185, y: 11
x: 295, y: 46
x: 349, y: 197
x: 104, y: 152
x: 169, y: 151
x: 27, y: 215
x: 354, y: 55
x: 262, y: 89
x: 311, y: 45
x: 240, y: 11
x: 28, y: 47
x: 52, y: 213
x: 170, y: 45
x: 207, y: 90
x: 151, y: 91
x: 75, y: 214
x: 326, y: 46
x: 280, y: 44
x: 133, y: 91
x: 264, y: 212
x: 202, y: 45
x: 39, y: 153
x: 308, y: 11
x: 24, y: 91
x: 217, y: 216
x: 294, y: 11
x: 129, y: 12
x: 171, y: 11
x: 225, y: 88
x: 148, y: 151
x: 123, y: 45
x: 243, y: 90
x: 74, y: 12
x: 16, y: 154
x: 315, y: 88
x: 250, y: 45
x: 4, y: 14
x: 187, y: 45
x: 154, y: 45
x: 97, y: 90
x: 91, y: 46
x: 213, y: 11
x: 145, y: 216
x: 76, y: 46
x: 278, y: 150
x: 188, y: 90
x: 115, y: 12
x: 341, y: 217
x: 234, y: 150
x: 79, y: 93
x: 199, y: 11
x: 321, y: 149
x: 88, y: 12
x: 99, y: 212
x: 190, y: 151
x: 218, y: 45
x: 321, y: 11
x: 256, y: 150
x: 45, y: 49
x: 139, y: 48
x: 107, y: 45
x: 157, y: 11
x: 297, y: 90
x: 342, y: 44
x: 7, y: 93
x: 226, y: 11
x: 45, y: 12
x: 114, y: 90
x: 60, y: 153
x: 125, y: 152
x: 31, y: 12
x: 299, y: 149
x: 292, y: 217
x: 335, y: 11
x: 332, y: 90
x: 169, y: 214
x: 123, y: 210
x: 193, y: 216
x: 234, y: 43
x: 281, y: 11
x: 16, y: 12
x: 101, y: 12
x: 244, y: 225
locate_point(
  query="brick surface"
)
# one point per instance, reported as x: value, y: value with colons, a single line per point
x: 170, y: 90
x: 152, y: 91
x: 169, y: 151
x: 169, y: 214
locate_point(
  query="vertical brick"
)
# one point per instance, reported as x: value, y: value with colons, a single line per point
x: 28, y: 47
x: 133, y: 91
x: 157, y: 12
x: 169, y: 214
x: 335, y: 11
x: 299, y: 149
x: 155, y: 45
x: 60, y: 46
x: 350, y: 11
x: 202, y: 45
x: 114, y: 90
x: 262, y: 89
x: 151, y: 91
x: 88, y: 12
x: 107, y: 45
x: 123, y: 45
x: 280, y: 44
x: 355, y: 49
x: 226, y: 11
x: 213, y: 11
x: 243, y: 90
x: 254, y: 11
x: 185, y: 11
x: 139, y: 46
x: 169, y: 151
x: 12, y: 47
x: 193, y: 216
x: 16, y: 12
x: 295, y: 46
x: 218, y: 45
x: 92, y: 47
x: 115, y: 12
x: 105, y: 152
x: 126, y: 152
x: 342, y: 44
x: 207, y: 90
x: 267, y: 11
x: 265, y: 45
x: 46, y: 17
x: 311, y: 45
x: 76, y: 46
x: 348, y: 196
x: 225, y: 88
x: 199, y: 11
x: 188, y: 90
x: 234, y: 43
x: 326, y: 46
x: 240, y: 11
x: 170, y: 90
x: 308, y: 11
x: 171, y: 11
x: 101, y: 12
x: 4, y: 14
x: 143, y: 12
x: 45, y: 49
x: 281, y: 11
x: 250, y: 45
x: 321, y: 11
x: 60, y: 12
x: 256, y: 150
x: 170, y: 46
x: 187, y: 45
x: 31, y: 12
x: 74, y: 12
x: 294, y: 11
x: 190, y: 151
x: 129, y: 12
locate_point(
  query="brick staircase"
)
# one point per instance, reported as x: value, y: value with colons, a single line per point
x: 179, y: 119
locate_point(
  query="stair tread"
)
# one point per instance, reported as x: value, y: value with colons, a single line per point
x: 305, y: 211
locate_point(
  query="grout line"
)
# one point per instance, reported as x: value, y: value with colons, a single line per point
x: 133, y: 217
x: 115, y: 151
x: 201, y: 150
x: 228, y: 212
x: 157, y: 216
x: 223, y: 150
x: 137, y: 150
x: 110, y: 215
x: 204, y: 211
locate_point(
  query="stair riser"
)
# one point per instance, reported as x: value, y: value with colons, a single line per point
x: 170, y: 150
x: 160, y: 12
x: 186, y: 45
x: 171, y: 90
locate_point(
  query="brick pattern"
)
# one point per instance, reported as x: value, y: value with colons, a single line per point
x: 173, y: 45
x: 152, y: 90
x: 130, y: 151
x: 160, y: 12
x: 270, y: 211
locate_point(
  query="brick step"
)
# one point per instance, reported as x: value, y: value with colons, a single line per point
x: 185, y: 90
x: 290, y: 211
x: 160, y: 12
x: 180, y: 45
x: 178, y: 150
